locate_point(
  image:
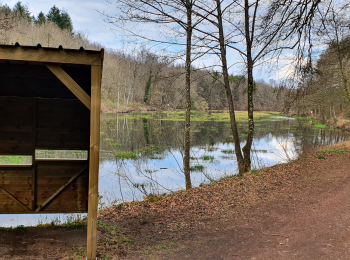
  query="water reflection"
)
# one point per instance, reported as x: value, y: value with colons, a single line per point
x: 277, y: 140
x: 158, y: 143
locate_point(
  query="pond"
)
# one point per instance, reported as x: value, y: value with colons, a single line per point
x: 141, y: 153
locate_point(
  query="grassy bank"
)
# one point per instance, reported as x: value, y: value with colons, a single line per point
x: 340, y: 122
x: 217, y: 116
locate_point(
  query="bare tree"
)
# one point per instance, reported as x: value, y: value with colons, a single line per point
x: 170, y: 12
x: 259, y: 31
x: 334, y: 18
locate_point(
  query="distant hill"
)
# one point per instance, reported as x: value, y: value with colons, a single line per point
x: 137, y: 79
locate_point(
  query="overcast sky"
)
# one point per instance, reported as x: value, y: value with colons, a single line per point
x: 86, y: 16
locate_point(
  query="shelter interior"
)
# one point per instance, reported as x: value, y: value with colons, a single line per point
x: 38, y: 113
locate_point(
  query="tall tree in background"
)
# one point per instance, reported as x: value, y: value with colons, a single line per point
x: 334, y: 16
x: 170, y: 12
x: 258, y: 31
x: 5, y: 9
x: 41, y: 19
x: 60, y: 18
x: 7, y: 23
x: 21, y: 11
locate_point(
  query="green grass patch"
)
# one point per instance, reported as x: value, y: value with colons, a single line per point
x: 260, y: 151
x: 147, y: 116
x: 4, y: 159
x: 20, y: 228
x: 198, y: 116
x: 76, y: 225
x: 197, y: 168
x: 208, y: 158
x: 5, y: 229
x: 320, y: 126
x: 227, y: 151
x: 302, y: 118
x: 15, y: 160
x: 322, y: 154
x: 326, y: 151
x: 125, y: 155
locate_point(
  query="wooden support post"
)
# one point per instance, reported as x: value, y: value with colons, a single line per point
x: 34, y: 182
x: 96, y: 74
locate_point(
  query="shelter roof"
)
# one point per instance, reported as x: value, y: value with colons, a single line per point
x: 39, y: 54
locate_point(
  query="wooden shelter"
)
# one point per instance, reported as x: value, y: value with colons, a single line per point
x: 50, y: 99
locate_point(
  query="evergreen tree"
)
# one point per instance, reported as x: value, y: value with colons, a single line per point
x: 22, y: 11
x: 5, y: 10
x: 60, y: 18
x: 41, y: 19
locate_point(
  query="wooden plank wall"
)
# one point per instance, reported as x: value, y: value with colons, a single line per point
x: 27, y: 124
x: 53, y: 175
x: 16, y: 126
x: 37, y: 81
x: 62, y: 124
x: 18, y: 182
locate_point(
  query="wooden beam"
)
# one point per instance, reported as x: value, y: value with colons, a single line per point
x: 14, y: 199
x: 70, y: 84
x: 51, y: 55
x: 96, y: 74
x: 60, y: 189
x: 33, y: 156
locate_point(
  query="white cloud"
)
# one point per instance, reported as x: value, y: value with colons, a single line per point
x: 86, y: 16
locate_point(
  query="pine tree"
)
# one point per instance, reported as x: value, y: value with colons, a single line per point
x: 41, y: 19
x: 60, y: 18
x: 22, y: 11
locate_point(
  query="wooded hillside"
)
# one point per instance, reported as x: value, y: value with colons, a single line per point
x: 133, y: 78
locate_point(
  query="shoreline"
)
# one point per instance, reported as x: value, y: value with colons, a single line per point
x: 172, y: 225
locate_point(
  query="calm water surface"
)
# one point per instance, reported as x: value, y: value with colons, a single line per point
x: 156, y: 140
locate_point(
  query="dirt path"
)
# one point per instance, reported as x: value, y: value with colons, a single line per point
x: 313, y: 223
x: 294, y: 211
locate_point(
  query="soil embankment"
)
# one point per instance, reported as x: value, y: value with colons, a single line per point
x: 298, y: 210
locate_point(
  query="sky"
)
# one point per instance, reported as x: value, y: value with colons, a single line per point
x: 87, y: 17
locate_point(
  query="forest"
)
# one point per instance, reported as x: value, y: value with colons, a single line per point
x: 139, y: 78
x: 136, y: 78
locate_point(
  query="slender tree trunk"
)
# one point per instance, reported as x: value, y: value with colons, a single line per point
x: 250, y: 89
x: 231, y: 107
x: 118, y: 98
x: 187, y: 145
x: 343, y: 76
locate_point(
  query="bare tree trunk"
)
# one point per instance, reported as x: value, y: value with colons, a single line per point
x: 344, y: 78
x: 247, y: 148
x: 118, y: 98
x: 187, y: 145
x: 231, y: 107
